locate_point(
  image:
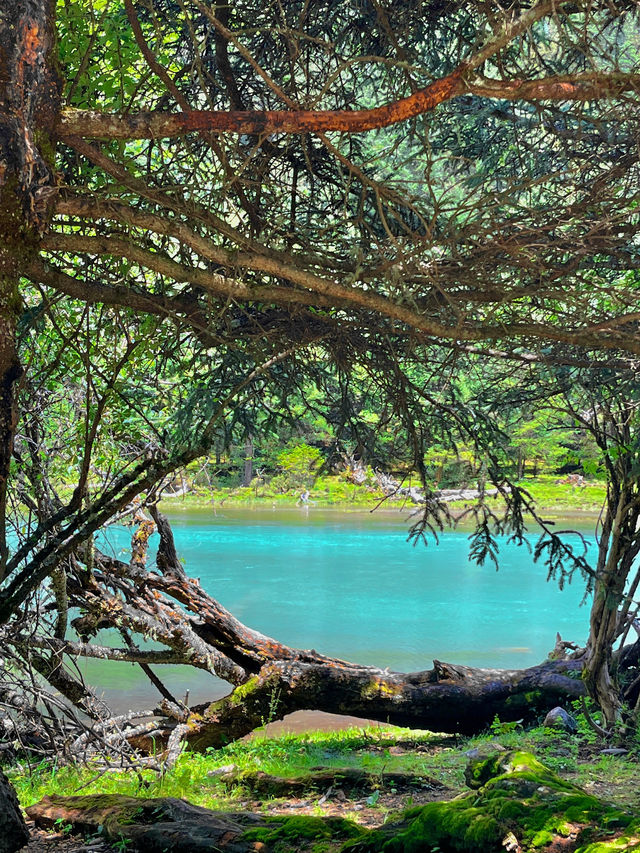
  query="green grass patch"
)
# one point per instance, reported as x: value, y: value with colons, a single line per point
x: 444, y: 758
x: 287, y: 756
x: 549, y: 492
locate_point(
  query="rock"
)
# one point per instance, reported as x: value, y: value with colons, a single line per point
x: 13, y: 830
x: 485, y: 750
x: 222, y: 771
x: 472, y: 753
x: 558, y: 718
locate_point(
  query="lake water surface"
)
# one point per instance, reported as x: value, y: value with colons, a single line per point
x: 349, y: 585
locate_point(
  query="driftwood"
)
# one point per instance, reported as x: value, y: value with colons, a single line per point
x: 268, y: 678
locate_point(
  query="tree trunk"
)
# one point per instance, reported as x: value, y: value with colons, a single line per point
x: 618, y: 549
x: 248, y: 462
x: 13, y: 831
x: 29, y: 107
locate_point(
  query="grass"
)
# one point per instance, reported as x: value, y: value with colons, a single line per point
x: 334, y: 491
x: 287, y: 756
x: 576, y: 758
x: 549, y: 494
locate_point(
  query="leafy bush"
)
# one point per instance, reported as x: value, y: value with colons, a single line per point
x: 298, y: 462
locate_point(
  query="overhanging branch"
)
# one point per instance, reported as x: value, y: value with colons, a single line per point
x: 156, y: 124
x: 465, y: 328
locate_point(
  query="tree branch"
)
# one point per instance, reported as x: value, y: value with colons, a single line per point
x: 461, y: 330
x: 161, y: 125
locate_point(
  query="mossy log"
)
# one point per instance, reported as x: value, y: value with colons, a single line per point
x: 167, y: 824
x: 270, y: 679
x: 516, y: 803
x: 149, y: 824
x: 345, y: 778
x: 446, y: 698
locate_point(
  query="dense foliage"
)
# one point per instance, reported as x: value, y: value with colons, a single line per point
x: 204, y: 250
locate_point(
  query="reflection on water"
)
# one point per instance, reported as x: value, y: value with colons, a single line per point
x: 349, y: 585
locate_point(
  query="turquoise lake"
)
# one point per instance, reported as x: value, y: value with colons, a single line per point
x: 349, y: 585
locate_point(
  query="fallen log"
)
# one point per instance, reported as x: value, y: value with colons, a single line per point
x: 447, y: 698
x: 149, y: 824
x: 270, y: 679
x: 344, y: 778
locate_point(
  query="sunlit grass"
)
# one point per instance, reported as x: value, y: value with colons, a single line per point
x: 547, y: 490
x: 438, y: 757
x: 288, y: 755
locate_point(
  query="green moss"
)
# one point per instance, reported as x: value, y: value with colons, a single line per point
x: 542, y: 838
x: 305, y: 827
x: 629, y: 840
x: 126, y: 812
x: 243, y: 690
x: 513, y: 793
x: 377, y: 688
x: 238, y: 696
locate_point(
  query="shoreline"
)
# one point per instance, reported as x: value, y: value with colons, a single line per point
x: 553, y: 498
x: 202, y: 504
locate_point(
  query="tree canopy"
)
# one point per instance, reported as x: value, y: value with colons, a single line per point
x: 206, y: 209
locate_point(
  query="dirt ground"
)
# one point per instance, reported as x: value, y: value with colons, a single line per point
x: 42, y: 841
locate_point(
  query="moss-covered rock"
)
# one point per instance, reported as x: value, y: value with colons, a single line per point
x: 516, y: 802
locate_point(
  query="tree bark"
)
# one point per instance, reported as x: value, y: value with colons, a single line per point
x: 618, y: 549
x: 13, y: 830
x: 162, y: 125
x: 447, y: 698
x: 151, y: 824
x: 29, y: 107
x: 347, y: 778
